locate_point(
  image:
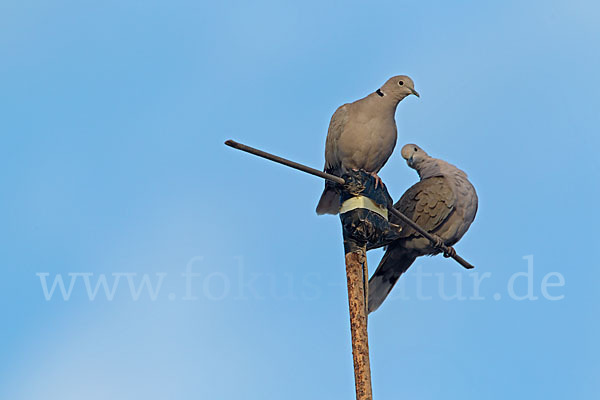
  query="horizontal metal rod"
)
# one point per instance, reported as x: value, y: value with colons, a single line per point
x: 427, y: 235
x: 281, y: 160
x: 434, y: 241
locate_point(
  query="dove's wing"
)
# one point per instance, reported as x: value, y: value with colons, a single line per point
x: 329, y: 203
x: 429, y: 203
x: 336, y: 127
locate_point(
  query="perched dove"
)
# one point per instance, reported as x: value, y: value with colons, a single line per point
x: 362, y: 135
x: 444, y: 203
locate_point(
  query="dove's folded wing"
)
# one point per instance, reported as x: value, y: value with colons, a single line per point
x: 336, y: 127
x: 429, y: 203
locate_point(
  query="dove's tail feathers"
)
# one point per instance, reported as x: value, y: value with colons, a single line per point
x: 329, y: 202
x: 393, y: 264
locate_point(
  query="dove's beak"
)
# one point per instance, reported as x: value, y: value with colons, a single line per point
x: 415, y: 92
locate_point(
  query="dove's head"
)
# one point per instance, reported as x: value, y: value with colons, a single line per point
x: 398, y: 87
x: 413, y: 155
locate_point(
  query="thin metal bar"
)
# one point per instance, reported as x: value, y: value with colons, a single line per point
x: 427, y: 235
x: 341, y: 181
x: 284, y: 161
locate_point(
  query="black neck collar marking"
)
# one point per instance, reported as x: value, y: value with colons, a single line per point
x: 379, y: 92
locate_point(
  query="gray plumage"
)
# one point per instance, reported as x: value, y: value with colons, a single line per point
x: 362, y: 135
x: 444, y: 202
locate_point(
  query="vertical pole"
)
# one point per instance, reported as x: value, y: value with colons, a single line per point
x: 357, y: 275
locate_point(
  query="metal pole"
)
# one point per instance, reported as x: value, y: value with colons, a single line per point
x: 437, y: 243
x: 281, y: 160
x: 357, y: 277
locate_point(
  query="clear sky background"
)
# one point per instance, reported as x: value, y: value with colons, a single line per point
x: 113, y: 116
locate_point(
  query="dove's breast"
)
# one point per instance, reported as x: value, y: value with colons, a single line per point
x: 465, y: 209
x: 368, y: 142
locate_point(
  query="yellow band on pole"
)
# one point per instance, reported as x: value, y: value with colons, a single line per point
x: 363, y: 202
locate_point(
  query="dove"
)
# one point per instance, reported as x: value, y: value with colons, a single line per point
x: 443, y: 202
x: 362, y: 136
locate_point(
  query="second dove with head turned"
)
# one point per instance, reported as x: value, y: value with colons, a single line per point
x: 362, y: 136
x: 443, y: 203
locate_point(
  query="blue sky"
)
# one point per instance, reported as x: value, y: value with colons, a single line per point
x: 113, y: 116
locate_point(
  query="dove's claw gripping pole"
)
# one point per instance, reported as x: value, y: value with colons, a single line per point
x: 377, y: 179
x: 450, y: 252
x: 445, y: 249
x: 439, y: 243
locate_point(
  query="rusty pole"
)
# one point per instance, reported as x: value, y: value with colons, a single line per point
x: 357, y: 277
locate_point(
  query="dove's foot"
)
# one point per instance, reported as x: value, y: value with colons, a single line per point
x: 396, y: 227
x: 438, y: 243
x: 377, y: 179
x: 450, y: 252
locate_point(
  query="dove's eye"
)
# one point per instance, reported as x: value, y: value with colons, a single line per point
x: 401, y: 83
x: 416, y: 149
